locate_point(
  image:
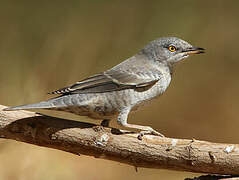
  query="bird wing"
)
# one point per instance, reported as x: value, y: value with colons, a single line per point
x: 111, y: 80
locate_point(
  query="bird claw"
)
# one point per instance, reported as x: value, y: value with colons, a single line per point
x: 153, y: 132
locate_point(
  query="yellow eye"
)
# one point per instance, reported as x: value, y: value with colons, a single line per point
x: 172, y: 48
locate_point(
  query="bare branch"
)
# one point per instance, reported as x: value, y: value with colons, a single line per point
x: 92, y: 140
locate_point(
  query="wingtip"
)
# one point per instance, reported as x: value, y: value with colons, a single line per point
x: 54, y: 92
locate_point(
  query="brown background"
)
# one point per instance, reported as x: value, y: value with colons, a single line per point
x: 45, y: 45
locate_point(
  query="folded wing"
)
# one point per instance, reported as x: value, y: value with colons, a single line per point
x: 112, y: 80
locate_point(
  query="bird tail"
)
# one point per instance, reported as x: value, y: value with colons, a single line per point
x: 49, y: 104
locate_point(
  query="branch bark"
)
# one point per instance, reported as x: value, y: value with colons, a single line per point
x: 92, y: 140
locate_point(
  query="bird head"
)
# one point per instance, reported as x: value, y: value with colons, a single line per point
x: 170, y: 50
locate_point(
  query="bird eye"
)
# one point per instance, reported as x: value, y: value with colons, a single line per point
x: 172, y: 48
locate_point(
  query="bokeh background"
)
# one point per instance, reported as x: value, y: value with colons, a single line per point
x: 46, y: 45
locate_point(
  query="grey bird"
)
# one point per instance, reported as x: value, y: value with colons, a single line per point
x: 123, y: 88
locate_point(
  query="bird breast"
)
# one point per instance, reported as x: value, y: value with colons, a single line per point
x: 155, y: 91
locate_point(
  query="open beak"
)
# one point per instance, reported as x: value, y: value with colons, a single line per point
x: 194, y: 50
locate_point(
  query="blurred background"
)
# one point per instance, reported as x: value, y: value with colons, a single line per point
x: 46, y: 45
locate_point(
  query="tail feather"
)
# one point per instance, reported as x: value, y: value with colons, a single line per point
x: 51, y: 103
x: 40, y: 105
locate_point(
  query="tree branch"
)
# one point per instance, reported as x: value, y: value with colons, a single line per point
x: 92, y: 140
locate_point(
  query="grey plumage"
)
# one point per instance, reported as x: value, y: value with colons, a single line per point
x: 125, y: 87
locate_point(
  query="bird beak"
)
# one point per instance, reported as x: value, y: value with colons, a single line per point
x: 194, y: 50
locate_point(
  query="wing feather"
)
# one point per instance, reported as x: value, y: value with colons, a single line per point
x: 104, y: 83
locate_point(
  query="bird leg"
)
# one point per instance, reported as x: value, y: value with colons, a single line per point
x: 122, y: 121
x: 105, y: 123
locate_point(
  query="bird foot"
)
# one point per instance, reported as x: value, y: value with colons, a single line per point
x: 150, y: 132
